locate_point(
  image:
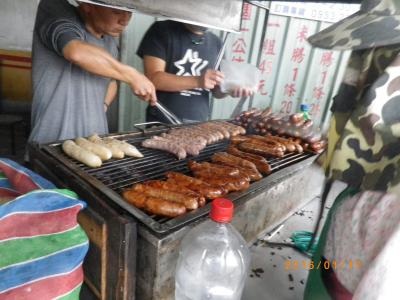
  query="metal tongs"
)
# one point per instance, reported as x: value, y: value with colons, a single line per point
x: 169, y: 115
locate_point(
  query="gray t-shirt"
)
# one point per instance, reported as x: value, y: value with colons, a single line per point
x: 67, y: 100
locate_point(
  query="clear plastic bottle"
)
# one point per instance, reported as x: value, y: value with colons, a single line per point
x: 214, y: 259
x: 305, y: 109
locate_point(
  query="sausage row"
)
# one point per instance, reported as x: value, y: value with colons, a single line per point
x: 94, y: 150
x: 293, y: 127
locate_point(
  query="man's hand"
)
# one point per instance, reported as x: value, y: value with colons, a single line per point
x: 142, y: 87
x: 210, y: 79
x: 235, y: 93
x: 241, y: 92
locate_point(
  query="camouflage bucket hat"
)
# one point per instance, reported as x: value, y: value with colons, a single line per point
x: 376, y: 24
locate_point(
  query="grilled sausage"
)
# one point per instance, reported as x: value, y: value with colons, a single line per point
x: 115, y: 150
x: 318, y: 146
x: 238, y: 139
x: 170, y: 147
x: 195, y: 140
x: 153, y: 205
x: 299, y: 148
x: 233, y: 129
x: 290, y: 146
x: 307, y: 124
x: 125, y: 147
x: 216, y: 127
x: 217, y: 169
x: 101, y: 151
x: 80, y: 154
x: 231, y: 184
x: 248, y: 174
x: 193, y: 133
x: 170, y: 186
x: 231, y: 160
x: 192, y: 149
x: 260, y: 149
x: 183, y: 134
x: 313, y: 138
x: 237, y: 162
x: 258, y: 139
x: 190, y: 202
x: 254, y: 175
x: 204, y: 173
x: 296, y: 118
x: 197, y: 185
x: 266, y: 140
x: 260, y: 162
x: 212, y: 135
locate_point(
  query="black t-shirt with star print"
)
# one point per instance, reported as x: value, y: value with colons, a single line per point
x: 185, y: 54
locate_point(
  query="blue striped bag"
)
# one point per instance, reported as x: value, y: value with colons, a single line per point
x: 42, y: 246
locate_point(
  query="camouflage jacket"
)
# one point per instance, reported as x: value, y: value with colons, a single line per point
x: 364, y: 144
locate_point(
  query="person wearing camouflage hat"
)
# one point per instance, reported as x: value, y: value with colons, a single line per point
x: 376, y: 24
x: 364, y: 152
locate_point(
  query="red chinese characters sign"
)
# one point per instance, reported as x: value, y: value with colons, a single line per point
x: 239, y: 50
x: 318, y: 92
x: 239, y: 47
x: 297, y: 58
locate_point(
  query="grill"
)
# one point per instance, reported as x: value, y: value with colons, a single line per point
x: 132, y: 252
x: 114, y: 176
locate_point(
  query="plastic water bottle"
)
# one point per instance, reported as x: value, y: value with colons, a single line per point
x: 305, y: 109
x: 213, y: 260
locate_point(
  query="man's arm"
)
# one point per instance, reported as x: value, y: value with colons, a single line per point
x: 154, y: 68
x: 98, y: 61
x: 111, y: 94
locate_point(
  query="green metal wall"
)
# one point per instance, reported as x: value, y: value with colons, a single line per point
x: 292, y: 71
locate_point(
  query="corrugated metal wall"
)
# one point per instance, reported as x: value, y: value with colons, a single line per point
x: 292, y: 71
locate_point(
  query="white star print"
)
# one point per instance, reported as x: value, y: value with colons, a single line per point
x: 192, y: 57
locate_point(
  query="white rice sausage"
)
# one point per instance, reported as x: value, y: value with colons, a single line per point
x: 116, y: 151
x: 101, y: 151
x: 80, y: 154
x: 127, y: 148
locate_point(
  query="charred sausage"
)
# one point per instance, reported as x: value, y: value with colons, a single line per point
x: 261, y: 149
x: 217, y: 169
x: 231, y: 184
x: 231, y: 160
x: 153, y: 205
x: 245, y: 167
x: 170, y: 186
x: 197, y: 185
x: 260, y: 162
x: 190, y: 202
x: 290, y: 146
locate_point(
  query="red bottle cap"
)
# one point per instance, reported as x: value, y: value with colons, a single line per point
x: 221, y: 210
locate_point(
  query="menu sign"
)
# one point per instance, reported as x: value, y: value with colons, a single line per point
x: 326, y: 12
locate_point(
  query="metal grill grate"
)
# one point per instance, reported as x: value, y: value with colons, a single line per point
x: 121, y: 174
x: 116, y: 175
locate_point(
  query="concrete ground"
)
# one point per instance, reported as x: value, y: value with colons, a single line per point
x: 273, y: 273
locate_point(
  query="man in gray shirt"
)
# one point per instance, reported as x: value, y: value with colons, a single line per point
x: 75, y: 68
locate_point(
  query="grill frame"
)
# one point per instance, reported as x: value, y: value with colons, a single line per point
x: 165, y: 225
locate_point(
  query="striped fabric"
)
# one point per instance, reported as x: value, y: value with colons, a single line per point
x: 42, y: 247
x: 16, y: 180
